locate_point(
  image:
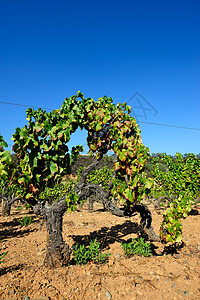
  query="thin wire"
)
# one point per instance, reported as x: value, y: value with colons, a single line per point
x: 176, y: 126
x: 160, y: 124
x: 25, y: 105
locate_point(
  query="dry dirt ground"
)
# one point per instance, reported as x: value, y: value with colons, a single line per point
x: 161, y: 276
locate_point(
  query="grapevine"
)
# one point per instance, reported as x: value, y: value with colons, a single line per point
x: 44, y: 159
x: 180, y: 185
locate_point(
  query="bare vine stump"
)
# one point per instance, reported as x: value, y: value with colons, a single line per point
x: 7, y: 200
x: 6, y: 207
x: 57, y: 251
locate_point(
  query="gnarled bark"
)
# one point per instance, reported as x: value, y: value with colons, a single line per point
x: 96, y: 192
x: 6, y: 207
x: 91, y: 189
x: 146, y: 220
x: 57, y: 251
x: 7, y: 200
x: 102, y: 195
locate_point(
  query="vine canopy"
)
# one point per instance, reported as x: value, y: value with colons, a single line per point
x: 44, y: 157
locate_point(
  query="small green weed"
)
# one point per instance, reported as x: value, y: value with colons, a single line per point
x: 84, y: 254
x: 27, y: 206
x: 2, y: 255
x: 25, y: 221
x: 19, y: 207
x: 137, y: 247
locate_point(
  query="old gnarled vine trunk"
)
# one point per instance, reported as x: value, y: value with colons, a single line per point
x: 57, y: 251
x: 7, y: 201
x: 6, y: 207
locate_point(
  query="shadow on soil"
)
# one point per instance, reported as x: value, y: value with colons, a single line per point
x: 10, y: 233
x: 173, y: 249
x: 22, y: 212
x: 15, y: 222
x: 6, y: 270
x: 193, y: 212
x: 109, y: 235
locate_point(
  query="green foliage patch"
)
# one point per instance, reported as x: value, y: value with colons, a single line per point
x: 19, y: 207
x: 25, y: 221
x: 101, y: 176
x: 182, y: 184
x: 91, y: 253
x: 2, y: 255
x: 137, y: 247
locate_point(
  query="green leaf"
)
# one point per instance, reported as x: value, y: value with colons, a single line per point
x: 2, y: 142
x: 122, y: 156
x: 23, y: 133
x: 5, y: 157
x: 129, y: 194
x: 79, y: 94
x: 35, y: 162
x: 149, y: 183
x: 93, y: 147
x: 98, y: 126
x: 179, y: 238
x: 106, y: 118
x: 53, y: 168
x: 38, y: 177
x: 169, y: 238
x: 28, y: 196
x: 3, y: 172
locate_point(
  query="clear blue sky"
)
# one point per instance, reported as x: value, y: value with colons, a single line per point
x: 51, y: 49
